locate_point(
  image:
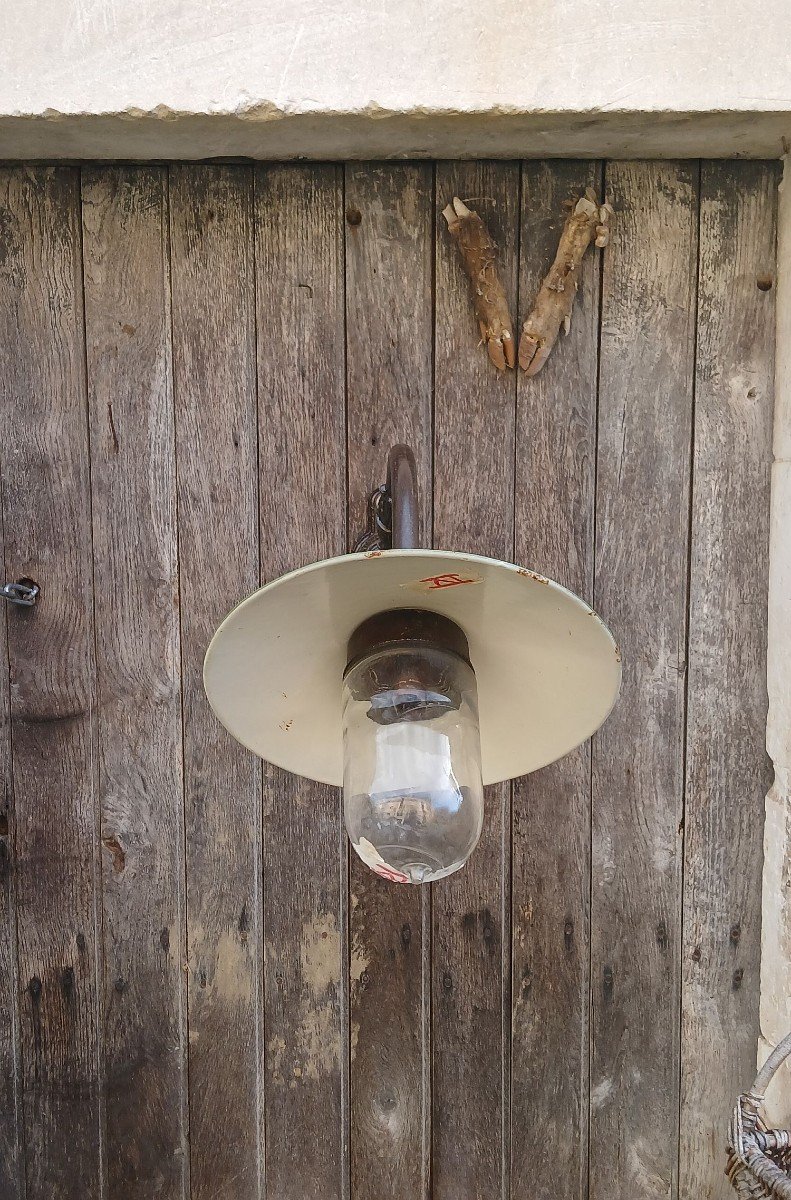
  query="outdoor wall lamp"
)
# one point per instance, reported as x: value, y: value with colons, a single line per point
x: 371, y: 669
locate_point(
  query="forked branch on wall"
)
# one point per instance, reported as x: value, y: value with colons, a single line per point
x: 587, y: 221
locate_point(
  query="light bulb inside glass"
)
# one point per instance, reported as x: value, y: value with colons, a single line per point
x: 413, y: 796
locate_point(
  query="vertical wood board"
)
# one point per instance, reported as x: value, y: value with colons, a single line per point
x: 554, y: 479
x: 127, y: 309
x: 216, y: 451
x: 389, y: 255
x: 473, y: 511
x: 299, y: 280
x: 47, y: 526
x: 642, y: 524
x: 11, y: 1132
x: 728, y: 771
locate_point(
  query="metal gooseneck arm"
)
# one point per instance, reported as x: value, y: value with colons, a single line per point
x: 402, y: 493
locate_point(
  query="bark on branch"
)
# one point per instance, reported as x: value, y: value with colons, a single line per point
x: 586, y: 222
x: 479, y: 254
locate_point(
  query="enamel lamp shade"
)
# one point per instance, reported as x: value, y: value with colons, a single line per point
x: 414, y: 633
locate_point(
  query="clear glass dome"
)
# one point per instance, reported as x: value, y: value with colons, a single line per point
x: 413, y: 795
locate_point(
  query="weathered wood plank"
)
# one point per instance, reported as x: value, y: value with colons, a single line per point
x: 728, y: 772
x: 555, y: 466
x: 389, y: 251
x: 474, y: 421
x: 137, y: 643
x: 299, y: 272
x: 214, y: 380
x: 46, y: 511
x: 642, y: 515
x: 11, y: 1165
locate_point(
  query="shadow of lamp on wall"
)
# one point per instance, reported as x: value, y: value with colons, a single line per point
x: 412, y: 677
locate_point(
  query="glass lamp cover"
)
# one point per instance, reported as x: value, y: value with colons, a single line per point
x: 413, y: 795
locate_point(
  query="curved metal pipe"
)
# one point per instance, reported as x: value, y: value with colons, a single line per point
x: 402, y: 490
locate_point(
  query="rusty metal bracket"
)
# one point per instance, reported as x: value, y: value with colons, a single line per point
x: 393, y: 507
x: 24, y: 592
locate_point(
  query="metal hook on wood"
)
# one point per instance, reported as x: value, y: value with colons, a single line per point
x: 24, y: 592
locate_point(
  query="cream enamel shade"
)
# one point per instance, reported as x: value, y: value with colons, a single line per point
x: 548, y: 669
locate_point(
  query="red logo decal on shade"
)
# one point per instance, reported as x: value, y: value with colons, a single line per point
x: 445, y: 581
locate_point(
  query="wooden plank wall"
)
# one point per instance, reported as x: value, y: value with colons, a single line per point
x: 201, y: 371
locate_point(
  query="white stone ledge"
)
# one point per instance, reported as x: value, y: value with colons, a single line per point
x: 333, y: 79
x: 264, y: 131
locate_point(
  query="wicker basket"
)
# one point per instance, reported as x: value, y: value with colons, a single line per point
x: 759, y: 1159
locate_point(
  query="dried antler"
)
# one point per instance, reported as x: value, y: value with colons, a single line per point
x: 479, y: 253
x: 586, y: 222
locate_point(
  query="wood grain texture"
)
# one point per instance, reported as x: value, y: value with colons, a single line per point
x: 127, y: 309
x: 573, y: 1014
x: 642, y: 514
x: 728, y: 771
x: 46, y: 519
x: 474, y: 421
x: 555, y: 468
x: 299, y: 274
x: 216, y: 450
x: 389, y: 253
x: 11, y: 1132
